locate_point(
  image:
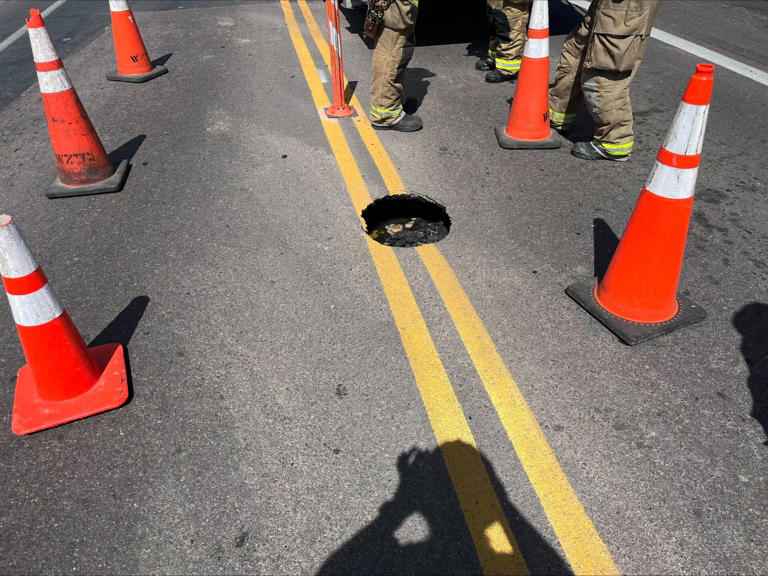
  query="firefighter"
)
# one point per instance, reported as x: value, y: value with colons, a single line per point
x: 508, y: 22
x: 393, y: 51
x: 599, y: 60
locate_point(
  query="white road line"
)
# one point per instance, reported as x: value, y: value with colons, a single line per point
x: 23, y: 30
x: 696, y: 50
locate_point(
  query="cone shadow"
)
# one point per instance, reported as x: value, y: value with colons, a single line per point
x: 121, y: 330
x: 128, y: 150
x: 349, y: 91
x: 604, y: 242
x: 162, y: 59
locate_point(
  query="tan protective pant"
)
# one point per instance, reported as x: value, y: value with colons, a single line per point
x: 393, y: 51
x: 508, y: 21
x: 598, y: 67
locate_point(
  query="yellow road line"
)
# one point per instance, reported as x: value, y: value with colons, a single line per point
x: 497, y: 549
x: 583, y: 547
x: 367, y: 133
x: 581, y: 543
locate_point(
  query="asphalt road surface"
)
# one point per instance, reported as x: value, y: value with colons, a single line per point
x: 307, y: 401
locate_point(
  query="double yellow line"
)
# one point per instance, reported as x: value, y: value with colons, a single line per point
x: 497, y: 549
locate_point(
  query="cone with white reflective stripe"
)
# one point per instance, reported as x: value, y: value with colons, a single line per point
x: 83, y: 165
x: 339, y: 108
x: 637, y: 298
x: 133, y: 63
x: 63, y: 380
x: 528, y: 123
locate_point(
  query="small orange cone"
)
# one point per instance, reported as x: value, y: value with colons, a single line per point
x: 133, y: 63
x: 637, y: 298
x: 63, y: 379
x: 528, y: 124
x: 82, y: 162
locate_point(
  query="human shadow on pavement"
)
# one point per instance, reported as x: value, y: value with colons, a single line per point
x: 604, y: 243
x: 355, y: 18
x: 752, y: 323
x: 121, y: 330
x: 416, y: 87
x: 422, y: 530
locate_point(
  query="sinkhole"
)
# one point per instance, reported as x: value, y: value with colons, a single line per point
x: 406, y: 220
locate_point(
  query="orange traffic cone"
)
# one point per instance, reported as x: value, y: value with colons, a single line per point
x: 133, y: 63
x: 528, y: 124
x: 637, y: 298
x: 339, y: 108
x: 83, y: 165
x: 63, y: 379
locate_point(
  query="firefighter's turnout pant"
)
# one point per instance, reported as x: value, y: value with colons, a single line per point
x: 599, y: 60
x: 393, y: 51
x: 508, y: 23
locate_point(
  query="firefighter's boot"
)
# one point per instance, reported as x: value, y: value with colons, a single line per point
x: 593, y: 150
x: 408, y: 123
x: 485, y: 65
x: 495, y: 77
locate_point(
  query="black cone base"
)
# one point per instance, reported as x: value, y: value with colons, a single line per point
x: 583, y: 292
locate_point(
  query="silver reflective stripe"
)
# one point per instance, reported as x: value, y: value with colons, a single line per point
x: 42, y: 47
x: 335, y: 40
x: 382, y: 113
x: 15, y: 258
x: 118, y: 5
x: 539, y: 15
x: 686, y: 135
x: 37, y: 308
x: 673, y: 183
x: 507, y: 64
x: 536, y: 48
x: 53, y: 81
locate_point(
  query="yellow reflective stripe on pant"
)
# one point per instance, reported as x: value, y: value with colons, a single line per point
x: 509, y: 65
x: 386, y: 113
x: 616, y: 149
x: 560, y: 118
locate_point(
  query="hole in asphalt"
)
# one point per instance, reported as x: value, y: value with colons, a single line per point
x: 406, y: 220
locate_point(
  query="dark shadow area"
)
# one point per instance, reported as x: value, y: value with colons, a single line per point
x: 162, y: 60
x: 439, y: 542
x: 127, y: 151
x: 356, y: 23
x: 752, y: 323
x: 451, y: 22
x: 349, y: 91
x: 604, y: 243
x: 562, y: 19
x: 406, y: 220
x: 121, y: 330
x: 438, y: 22
x: 416, y: 87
